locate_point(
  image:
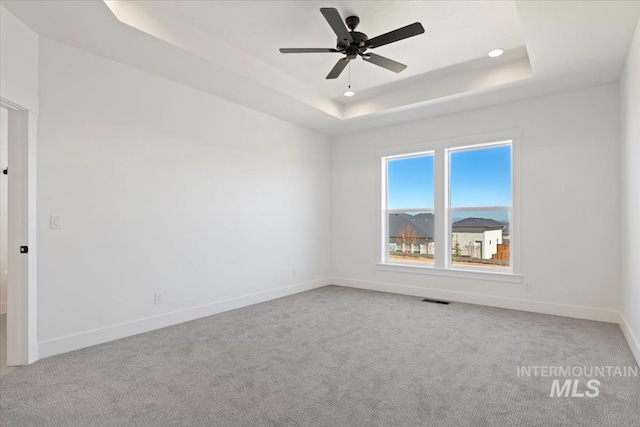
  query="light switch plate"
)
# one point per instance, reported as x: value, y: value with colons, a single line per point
x: 55, y: 222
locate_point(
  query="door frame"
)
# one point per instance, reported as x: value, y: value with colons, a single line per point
x: 22, y: 327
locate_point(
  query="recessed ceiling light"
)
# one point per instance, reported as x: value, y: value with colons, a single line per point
x: 349, y: 93
x: 496, y: 52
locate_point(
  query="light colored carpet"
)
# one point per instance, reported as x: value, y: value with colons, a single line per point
x: 331, y: 357
x: 4, y: 369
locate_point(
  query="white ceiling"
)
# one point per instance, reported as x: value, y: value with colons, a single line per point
x: 230, y: 49
x: 261, y: 29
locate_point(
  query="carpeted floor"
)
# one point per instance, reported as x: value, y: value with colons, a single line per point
x: 332, y: 357
x: 4, y: 369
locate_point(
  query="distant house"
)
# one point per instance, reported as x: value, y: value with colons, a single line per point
x: 477, y: 237
x: 411, y: 233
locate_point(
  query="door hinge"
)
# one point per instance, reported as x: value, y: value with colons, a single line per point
x: 5, y: 171
x: 24, y: 249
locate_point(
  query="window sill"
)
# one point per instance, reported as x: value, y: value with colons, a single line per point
x: 450, y: 272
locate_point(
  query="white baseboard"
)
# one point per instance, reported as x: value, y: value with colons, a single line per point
x: 114, y: 332
x: 110, y: 333
x: 3, y: 308
x: 578, y: 312
x: 632, y: 339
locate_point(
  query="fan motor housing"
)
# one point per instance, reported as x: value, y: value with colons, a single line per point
x: 359, y: 44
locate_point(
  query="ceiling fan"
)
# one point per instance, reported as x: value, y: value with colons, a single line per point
x: 353, y: 43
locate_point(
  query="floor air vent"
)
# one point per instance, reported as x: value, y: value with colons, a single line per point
x: 436, y: 301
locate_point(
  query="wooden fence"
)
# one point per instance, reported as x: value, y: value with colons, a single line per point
x: 503, y: 253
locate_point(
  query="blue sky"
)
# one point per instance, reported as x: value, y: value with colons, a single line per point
x: 480, y: 177
x: 410, y: 183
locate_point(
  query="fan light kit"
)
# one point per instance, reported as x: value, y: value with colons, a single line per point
x: 349, y: 92
x: 352, y: 43
x: 495, y: 53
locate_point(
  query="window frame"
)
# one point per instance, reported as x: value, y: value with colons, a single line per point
x: 387, y: 211
x: 441, y: 150
x: 449, y: 211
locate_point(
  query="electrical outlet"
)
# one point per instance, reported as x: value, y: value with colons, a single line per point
x: 527, y: 286
x: 157, y: 298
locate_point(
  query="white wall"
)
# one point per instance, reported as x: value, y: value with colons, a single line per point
x: 162, y: 188
x: 18, y: 61
x: 630, y: 114
x: 569, y: 190
x: 4, y: 260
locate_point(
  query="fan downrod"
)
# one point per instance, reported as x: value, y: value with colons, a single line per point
x: 352, y: 22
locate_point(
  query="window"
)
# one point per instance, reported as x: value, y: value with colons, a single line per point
x: 449, y: 206
x: 409, y: 208
x: 479, y: 205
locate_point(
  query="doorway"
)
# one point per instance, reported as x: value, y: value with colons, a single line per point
x: 18, y: 343
x: 4, y: 228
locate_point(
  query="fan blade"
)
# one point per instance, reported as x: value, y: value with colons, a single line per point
x: 383, y: 62
x: 337, y: 69
x: 396, y: 35
x: 305, y: 50
x: 337, y: 24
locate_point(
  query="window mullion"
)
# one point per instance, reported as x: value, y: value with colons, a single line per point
x: 383, y: 250
x: 440, y: 202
